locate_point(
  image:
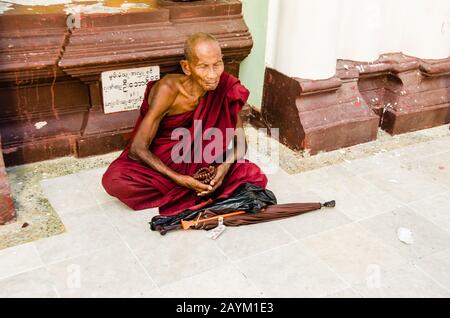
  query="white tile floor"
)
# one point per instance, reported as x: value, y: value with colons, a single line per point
x: 349, y: 251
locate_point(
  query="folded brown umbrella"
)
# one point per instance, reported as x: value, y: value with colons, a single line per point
x: 269, y: 213
x: 255, y: 204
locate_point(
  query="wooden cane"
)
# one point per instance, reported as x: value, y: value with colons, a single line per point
x: 187, y: 224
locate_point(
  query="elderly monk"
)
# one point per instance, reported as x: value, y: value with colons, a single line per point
x: 149, y: 172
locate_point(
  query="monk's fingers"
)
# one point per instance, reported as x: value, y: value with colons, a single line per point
x: 199, y: 186
x: 215, y: 180
x: 204, y: 193
x: 217, y: 185
x: 204, y: 187
x: 210, y: 189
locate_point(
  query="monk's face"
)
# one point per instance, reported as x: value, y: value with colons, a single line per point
x: 206, y: 65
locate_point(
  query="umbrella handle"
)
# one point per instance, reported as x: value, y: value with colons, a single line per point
x: 329, y: 204
x: 187, y: 224
x: 164, y: 229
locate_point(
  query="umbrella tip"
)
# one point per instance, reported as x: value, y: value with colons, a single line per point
x: 329, y: 204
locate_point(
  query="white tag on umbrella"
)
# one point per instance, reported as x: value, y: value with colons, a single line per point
x: 215, y: 233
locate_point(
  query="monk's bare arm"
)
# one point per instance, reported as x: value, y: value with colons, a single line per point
x: 159, y: 105
x: 239, y: 144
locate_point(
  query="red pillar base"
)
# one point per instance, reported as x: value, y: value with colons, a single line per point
x: 317, y: 115
x: 7, y: 210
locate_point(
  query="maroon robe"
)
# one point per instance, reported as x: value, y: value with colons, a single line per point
x: 141, y: 187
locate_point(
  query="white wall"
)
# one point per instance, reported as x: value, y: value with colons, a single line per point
x: 429, y: 34
x: 306, y: 37
x: 251, y: 70
x: 305, y: 41
x: 272, y: 28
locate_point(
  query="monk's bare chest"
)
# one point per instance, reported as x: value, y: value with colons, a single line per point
x: 183, y: 104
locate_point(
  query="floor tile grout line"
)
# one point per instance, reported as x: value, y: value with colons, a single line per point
x: 384, y: 191
x: 50, y: 199
x: 116, y: 229
x: 293, y: 242
x: 402, y: 205
x: 234, y: 264
x: 429, y: 179
x: 84, y: 254
x: 193, y: 275
x: 37, y: 252
x: 252, y: 283
x: 341, y: 290
x: 356, y: 292
x: 433, y: 196
x: 68, y: 213
x: 381, y: 190
x: 325, y: 231
x: 330, y: 268
x: 409, y: 259
x: 263, y: 252
x: 42, y: 265
x: 400, y: 159
x: 404, y: 260
x: 371, y: 233
x: 47, y: 266
x: 55, y: 289
x: 156, y: 284
x: 31, y: 269
x: 292, y: 236
x: 428, y: 219
x: 231, y: 263
x: 213, y: 269
x: 95, y: 250
x: 431, y: 277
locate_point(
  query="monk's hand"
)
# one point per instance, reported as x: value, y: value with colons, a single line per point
x: 215, y: 183
x: 193, y: 184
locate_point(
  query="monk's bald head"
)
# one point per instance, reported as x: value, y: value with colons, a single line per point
x: 194, y: 40
x: 203, y: 62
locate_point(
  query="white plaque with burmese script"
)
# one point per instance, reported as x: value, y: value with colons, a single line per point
x: 124, y: 90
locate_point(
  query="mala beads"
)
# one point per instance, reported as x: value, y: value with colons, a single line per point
x: 205, y: 174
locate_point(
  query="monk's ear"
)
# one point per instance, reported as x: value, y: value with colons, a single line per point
x: 185, y: 66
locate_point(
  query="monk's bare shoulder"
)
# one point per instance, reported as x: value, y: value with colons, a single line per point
x: 164, y: 93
